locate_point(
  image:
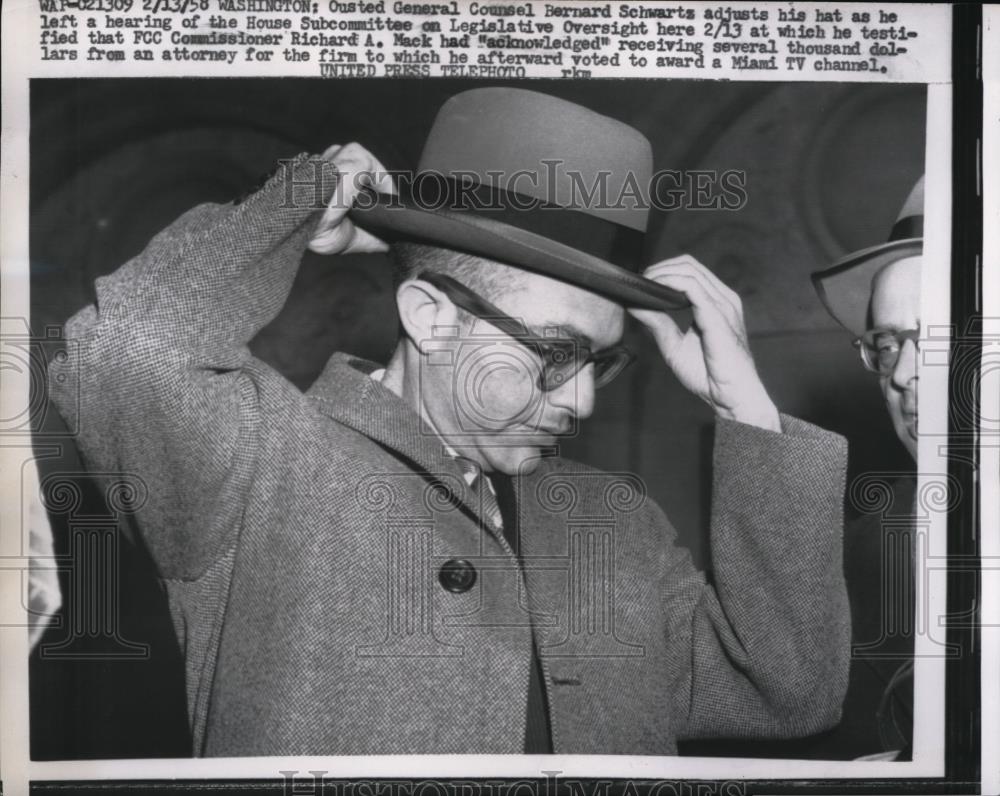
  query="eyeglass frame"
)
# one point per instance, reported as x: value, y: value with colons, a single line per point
x: 867, y: 341
x: 470, y: 301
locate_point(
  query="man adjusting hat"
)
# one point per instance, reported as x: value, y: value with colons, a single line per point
x: 398, y: 560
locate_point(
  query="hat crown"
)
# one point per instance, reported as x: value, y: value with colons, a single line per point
x: 534, y: 181
x: 845, y: 288
x: 545, y: 148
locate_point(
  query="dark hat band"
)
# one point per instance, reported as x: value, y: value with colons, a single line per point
x: 574, y: 228
x: 907, y: 229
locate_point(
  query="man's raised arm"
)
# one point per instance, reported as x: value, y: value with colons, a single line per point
x: 770, y: 643
x: 158, y: 368
x: 765, y: 652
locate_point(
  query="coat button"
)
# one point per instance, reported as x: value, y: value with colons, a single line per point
x: 457, y: 575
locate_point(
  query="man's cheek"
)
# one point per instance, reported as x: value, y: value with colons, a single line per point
x: 509, y: 395
x: 893, y: 402
x: 888, y: 394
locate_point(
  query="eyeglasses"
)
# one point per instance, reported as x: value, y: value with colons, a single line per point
x: 880, y: 348
x: 561, y: 358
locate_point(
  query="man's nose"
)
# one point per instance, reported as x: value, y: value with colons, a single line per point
x: 905, y: 369
x: 576, y: 395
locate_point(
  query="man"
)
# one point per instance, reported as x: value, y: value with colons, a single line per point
x: 398, y: 561
x: 875, y: 295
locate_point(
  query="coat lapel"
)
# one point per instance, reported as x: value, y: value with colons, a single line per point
x: 346, y: 392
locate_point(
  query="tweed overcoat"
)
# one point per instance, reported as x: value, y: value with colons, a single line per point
x: 300, y: 537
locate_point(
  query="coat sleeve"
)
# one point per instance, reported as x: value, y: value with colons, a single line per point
x: 157, y: 376
x: 765, y: 649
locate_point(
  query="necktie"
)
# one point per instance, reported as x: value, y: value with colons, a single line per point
x: 481, y: 491
x: 538, y: 735
x: 501, y: 510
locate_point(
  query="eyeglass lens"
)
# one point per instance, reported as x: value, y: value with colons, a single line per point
x: 880, y: 349
x: 607, y: 365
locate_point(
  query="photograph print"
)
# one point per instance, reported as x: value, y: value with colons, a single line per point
x: 476, y: 417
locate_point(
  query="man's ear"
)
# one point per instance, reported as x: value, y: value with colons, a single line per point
x: 422, y: 310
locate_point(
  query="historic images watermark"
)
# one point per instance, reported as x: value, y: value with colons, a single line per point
x: 586, y: 510
x: 318, y: 783
x: 554, y: 186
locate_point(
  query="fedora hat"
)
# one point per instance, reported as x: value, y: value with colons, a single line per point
x: 846, y: 288
x: 533, y: 181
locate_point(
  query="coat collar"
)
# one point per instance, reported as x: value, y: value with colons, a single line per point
x: 346, y: 392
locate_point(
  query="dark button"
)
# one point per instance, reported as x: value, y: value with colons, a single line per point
x: 457, y: 575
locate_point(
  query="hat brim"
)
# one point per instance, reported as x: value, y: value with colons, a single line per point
x: 846, y: 287
x: 485, y: 237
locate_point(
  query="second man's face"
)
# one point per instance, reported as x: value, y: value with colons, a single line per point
x: 895, y: 305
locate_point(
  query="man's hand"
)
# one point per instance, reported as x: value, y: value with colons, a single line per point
x: 712, y: 359
x: 336, y: 233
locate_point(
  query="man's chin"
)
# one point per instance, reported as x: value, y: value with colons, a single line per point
x: 912, y: 439
x: 907, y: 433
x: 521, y: 460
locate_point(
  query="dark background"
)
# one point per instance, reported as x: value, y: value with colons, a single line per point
x: 114, y: 161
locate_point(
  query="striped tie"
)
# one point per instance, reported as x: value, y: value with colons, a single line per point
x: 482, y: 491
